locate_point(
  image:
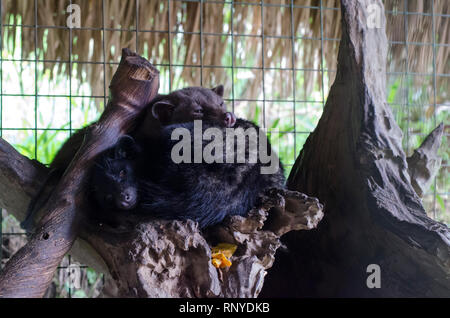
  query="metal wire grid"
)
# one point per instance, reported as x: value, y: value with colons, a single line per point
x: 170, y: 33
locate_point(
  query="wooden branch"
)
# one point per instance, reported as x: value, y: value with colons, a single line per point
x: 20, y: 180
x: 424, y: 163
x: 29, y: 272
x: 354, y: 163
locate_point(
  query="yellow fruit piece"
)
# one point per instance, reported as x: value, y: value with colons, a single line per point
x: 221, y: 253
x: 216, y: 262
x: 220, y: 261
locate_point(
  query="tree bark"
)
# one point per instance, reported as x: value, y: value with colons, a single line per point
x: 424, y: 163
x: 354, y: 163
x: 160, y: 258
x: 20, y: 180
x: 29, y: 272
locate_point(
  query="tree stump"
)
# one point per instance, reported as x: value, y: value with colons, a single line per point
x: 354, y: 163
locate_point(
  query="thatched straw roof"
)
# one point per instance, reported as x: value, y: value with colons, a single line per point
x: 188, y: 49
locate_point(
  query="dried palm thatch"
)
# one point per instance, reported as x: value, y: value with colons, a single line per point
x: 153, y: 22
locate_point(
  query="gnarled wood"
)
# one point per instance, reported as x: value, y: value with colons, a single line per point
x: 161, y: 258
x: 355, y: 164
x: 424, y: 163
x: 29, y: 272
x: 20, y: 180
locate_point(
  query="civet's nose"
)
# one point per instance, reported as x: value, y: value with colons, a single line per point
x: 127, y: 200
x: 230, y: 119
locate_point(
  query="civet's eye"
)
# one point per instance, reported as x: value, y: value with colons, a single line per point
x: 122, y: 174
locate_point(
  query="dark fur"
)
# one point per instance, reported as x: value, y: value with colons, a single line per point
x: 182, y: 106
x: 113, y: 180
x: 176, y: 107
x: 205, y: 193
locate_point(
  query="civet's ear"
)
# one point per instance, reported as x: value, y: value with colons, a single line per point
x: 126, y: 148
x: 162, y: 111
x: 218, y: 90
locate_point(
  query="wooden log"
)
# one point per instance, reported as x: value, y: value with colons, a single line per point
x: 29, y: 271
x: 354, y: 163
x: 160, y: 258
x: 424, y: 163
x: 20, y: 180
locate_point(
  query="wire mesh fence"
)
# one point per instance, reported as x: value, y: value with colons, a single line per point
x: 276, y: 59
